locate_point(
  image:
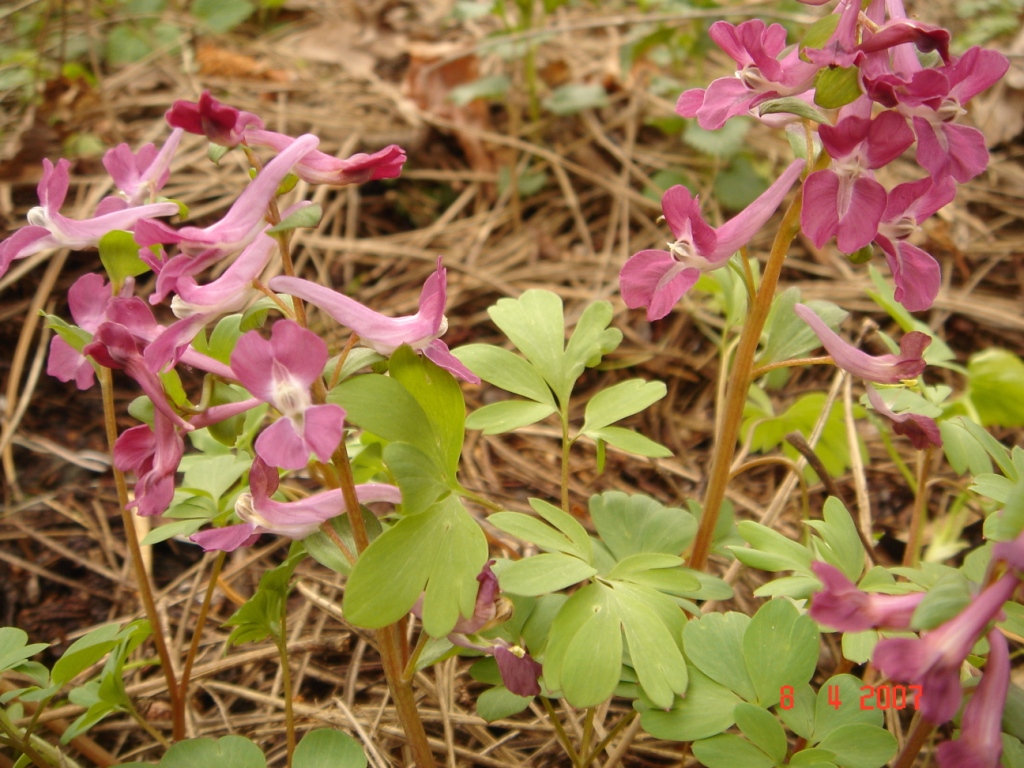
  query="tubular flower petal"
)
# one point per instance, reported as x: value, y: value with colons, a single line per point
x: 153, y: 455
x: 318, y: 167
x: 139, y: 175
x: 844, y: 607
x: 922, y: 431
x: 294, y: 519
x: 658, y: 279
x: 933, y: 660
x: 385, y: 334
x: 980, y: 744
x: 881, y: 369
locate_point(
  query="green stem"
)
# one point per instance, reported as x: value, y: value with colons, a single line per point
x: 761, y: 370
x: 603, y: 744
x: 23, y: 745
x: 912, y: 554
x: 560, y: 734
x: 286, y: 680
x: 135, y: 551
x: 742, y: 376
x: 197, y: 631
x: 566, y: 445
x: 588, y: 734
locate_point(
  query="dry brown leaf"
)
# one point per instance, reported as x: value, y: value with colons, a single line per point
x: 215, y: 61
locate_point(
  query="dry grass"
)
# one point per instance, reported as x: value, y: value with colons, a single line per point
x: 64, y: 565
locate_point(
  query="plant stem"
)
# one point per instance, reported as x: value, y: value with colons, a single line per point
x: 912, y: 554
x: 761, y: 370
x: 197, y: 631
x: 135, y: 550
x: 22, y: 745
x: 566, y: 445
x: 919, y: 732
x: 739, y: 385
x: 286, y: 681
x: 603, y: 744
x: 560, y: 734
x: 588, y: 734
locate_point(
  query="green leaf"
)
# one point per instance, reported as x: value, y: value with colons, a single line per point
x: 590, y: 340
x: 820, y: 32
x: 843, y: 547
x: 946, y: 599
x: 213, y: 476
x: 540, y: 574
x: 784, y: 553
x: 714, y: 644
x: 534, y: 323
x: 631, y: 442
x: 76, y: 337
x: 119, y: 254
x: 621, y: 400
x: 418, y: 476
x: 571, y: 98
x: 763, y: 730
x: 963, y: 451
x: 729, y: 751
x: 584, y: 654
x: 505, y: 370
x: 327, y: 748
x: 307, y: 216
x: 492, y: 87
x: 403, y: 420
x: 997, y: 387
x: 813, y: 758
x: 799, y: 717
x: 706, y: 710
x: 170, y: 530
x: 85, y: 652
x: 780, y: 648
x: 440, y: 551
x: 827, y: 718
x: 220, y: 16
x: 534, y: 531
x: 630, y: 525
x: 260, y: 616
x: 739, y: 184
x: 499, y: 702
x: 233, y: 751
x: 322, y: 548
x: 858, y: 646
x: 126, y: 44
x: 858, y: 745
x: 14, y: 648
x: 440, y: 397
x: 836, y: 87
x: 567, y: 524
x: 788, y: 336
x: 507, y: 415
x: 653, y: 653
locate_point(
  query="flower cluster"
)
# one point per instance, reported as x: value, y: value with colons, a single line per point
x: 116, y: 329
x: 902, y: 102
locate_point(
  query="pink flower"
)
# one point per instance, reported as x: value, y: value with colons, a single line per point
x: 139, y: 175
x: 385, y: 334
x: 845, y: 201
x: 844, y: 607
x: 280, y: 372
x: 208, y: 117
x: 981, y: 744
x: 922, y: 431
x: 48, y: 229
x: 658, y: 279
x: 933, y: 660
x: 244, y: 220
x: 519, y: 672
x: 293, y: 519
x: 881, y: 369
x: 762, y: 75
x: 915, y: 272
x: 153, y: 455
x: 320, y: 168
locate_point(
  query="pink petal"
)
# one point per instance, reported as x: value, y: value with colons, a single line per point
x: 738, y: 230
x: 917, y: 275
x: 323, y: 426
x: 66, y: 364
x: 819, y: 217
x: 437, y: 352
x: 859, y: 224
x: 950, y: 150
x: 300, y: 351
x: 280, y: 446
x: 690, y: 102
x: 226, y: 539
x: 654, y: 279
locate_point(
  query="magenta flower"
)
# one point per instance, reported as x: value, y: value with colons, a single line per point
x: 844, y: 607
x: 280, y: 372
x: 88, y: 299
x: 385, y: 334
x: 922, y: 431
x: 881, y: 369
x: 845, y: 201
x: 153, y: 455
x: 519, y: 672
x: 47, y: 229
x: 658, y: 279
x: 208, y: 117
x: 244, y: 220
x: 915, y: 272
x: 981, y: 744
x: 320, y: 168
x: 762, y: 75
x: 293, y: 519
x: 139, y: 175
x: 933, y: 660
